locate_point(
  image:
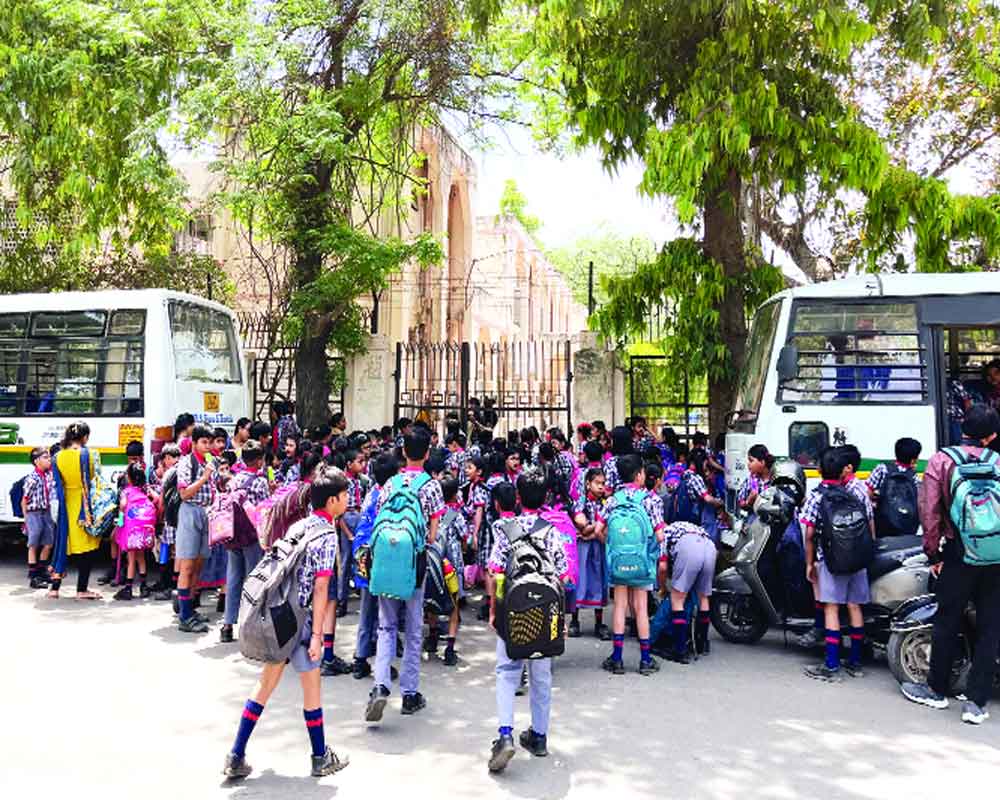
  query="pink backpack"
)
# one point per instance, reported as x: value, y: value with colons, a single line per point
x: 220, y: 520
x: 139, y: 525
x: 273, y: 515
x: 561, y: 521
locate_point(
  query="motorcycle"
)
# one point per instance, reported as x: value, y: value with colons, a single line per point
x: 909, y: 649
x: 766, y: 586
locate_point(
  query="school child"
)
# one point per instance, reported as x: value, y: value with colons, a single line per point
x: 835, y: 590
x: 252, y: 484
x: 383, y: 468
x: 136, y: 531
x: 591, y: 590
x: 457, y: 456
x: 165, y: 586
x: 632, y: 491
x: 531, y: 488
x: 759, y: 465
x: 641, y: 438
x: 36, y: 508
x: 564, y: 466
x: 667, y: 447
x: 687, y: 554
x: 959, y: 402
x: 328, y: 496
x: 621, y: 445
x: 220, y: 441
x: 357, y: 487
x: 196, y: 484
x: 288, y: 469
x: 593, y: 453
x: 415, y: 446
x: 452, y: 534
x: 894, y: 488
x: 133, y: 455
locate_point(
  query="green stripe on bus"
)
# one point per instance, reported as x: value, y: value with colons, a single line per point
x: 107, y: 459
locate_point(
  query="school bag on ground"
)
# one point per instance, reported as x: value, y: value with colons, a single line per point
x: 630, y: 543
x: 530, y: 615
x: 844, y: 532
x: 975, y: 504
x: 398, y: 539
x: 896, y: 513
x: 102, y: 499
x: 271, y: 618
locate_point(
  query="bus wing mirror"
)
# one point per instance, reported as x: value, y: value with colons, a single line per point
x: 788, y: 363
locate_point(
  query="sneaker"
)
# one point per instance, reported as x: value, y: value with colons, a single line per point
x: 226, y: 634
x: 412, y: 703
x: 450, y: 658
x: 974, y: 714
x: 341, y: 610
x: 702, y: 646
x: 810, y: 639
x: 337, y: 666
x: 236, y: 767
x: 854, y: 670
x: 361, y: 669
x: 328, y: 763
x: 613, y: 666
x: 501, y: 754
x: 522, y: 687
x: 602, y: 632
x: 164, y: 594
x: 534, y: 743
x: 923, y: 694
x: 649, y: 667
x: 125, y: 593
x: 376, y: 703
x: 39, y: 582
x: 143, y: 591
x: 821, y: 672
x: 574, y: 630
x: 193, y: 625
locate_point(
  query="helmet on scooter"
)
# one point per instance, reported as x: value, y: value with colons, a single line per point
x: 790, y: 477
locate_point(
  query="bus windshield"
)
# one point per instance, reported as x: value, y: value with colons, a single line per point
x: 758, y: 357
x: 204, y: 344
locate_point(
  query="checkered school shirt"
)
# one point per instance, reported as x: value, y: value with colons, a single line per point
x: 501, y: 544
x: 958, y: 396
x: 650, y: 502
x: 750, y: 485
x: 205, y: 493
x: 430, y: 496
x: 643, y: 443
x: 321, y: 555
x: 357, y: 490
x: 455, y: 463
x: 563, y: 465
x: 611, y: 479
x: 878, y: 476
x: 39, y: 488
x: 588, y: 506
x: 476, y: 496
x: 673, y: 534
x: 254, y: 484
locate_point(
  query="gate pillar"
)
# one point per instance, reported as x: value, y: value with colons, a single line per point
x: 598, y: 393
x: 368, y: 397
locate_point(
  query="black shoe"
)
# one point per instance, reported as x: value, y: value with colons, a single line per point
x: 361, y: 669
x: 431, y: 645
x: 193, y: 625
x: 393, y: 673
x: 236, y: 767
x: 376, y: 703
x: 328, y: 763
x: 810, y: 639
x: 164, y: 594
x: 613, y: 666
x: 648, y: 667
x: 226, y: 634
x: 450, y: 658
x: 702, y: 646
x: 143, y: 591
x: 125, y: 593
x: 822, y: 672
x: 341, y: 610
x: 175, y: 601
x: 107, y: 578
x: 534, y: 743
x: 679, y: 658
x: 412, y: 703
x: 602, y: 632
x: 39, y: 582
x: 574, y: 630
x: 483, y: 614
x: 220, y: 604
x: 501, y: 754
x: 336, y: 666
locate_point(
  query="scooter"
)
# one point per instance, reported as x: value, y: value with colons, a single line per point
x: 909, y: 649
x: 766, y: 587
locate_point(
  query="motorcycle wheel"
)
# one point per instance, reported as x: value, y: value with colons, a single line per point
x: 909, y: 657
x: 738, y: 618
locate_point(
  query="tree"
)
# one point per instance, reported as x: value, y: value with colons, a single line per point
x: 515, y: 204
x: 311, y: 111
x: 716, y: 97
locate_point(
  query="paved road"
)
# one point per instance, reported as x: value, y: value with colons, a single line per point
x: 109, y: 700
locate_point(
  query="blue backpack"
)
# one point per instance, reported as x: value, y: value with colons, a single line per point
x: 361, y: 544
x: 398, y: 539
x: 631, y: 543
x: 975, y: 504
x: 685, y: 509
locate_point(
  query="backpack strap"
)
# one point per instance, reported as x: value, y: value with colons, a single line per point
x: 513, y: 529
x: 957, y: 455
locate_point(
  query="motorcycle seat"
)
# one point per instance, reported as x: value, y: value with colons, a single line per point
x: 890, y: 553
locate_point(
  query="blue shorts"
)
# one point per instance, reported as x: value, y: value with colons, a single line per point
x: 299, y: 659
x: 40, y: 529
x: 192, y: 532
x: 841, y: 589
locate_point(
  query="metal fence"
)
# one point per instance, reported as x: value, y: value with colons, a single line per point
x: 666, y: 396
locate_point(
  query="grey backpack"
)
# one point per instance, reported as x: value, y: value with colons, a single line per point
x: 271, y: 618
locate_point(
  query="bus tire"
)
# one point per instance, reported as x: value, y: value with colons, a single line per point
x: 738, y: 618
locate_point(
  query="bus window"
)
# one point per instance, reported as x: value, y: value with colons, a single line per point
x: 68, y: 323
x: 204, y: 344
x: 758, y: 357
x: 856, y: 352
x: 121, y: 385
x: 806, y: 440
x: 62, y: 378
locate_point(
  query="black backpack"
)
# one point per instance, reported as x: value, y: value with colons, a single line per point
x: 530, y: 617
x: 845, y: 534
x: 896, y: 513
x: 172, y: 494
x: 437, y: 598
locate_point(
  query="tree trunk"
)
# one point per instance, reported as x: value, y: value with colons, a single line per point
x: 724, y: 243
x: 312, y: 378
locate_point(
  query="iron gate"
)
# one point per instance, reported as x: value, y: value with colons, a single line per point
x: 520, y: 383
x: 665, y: 396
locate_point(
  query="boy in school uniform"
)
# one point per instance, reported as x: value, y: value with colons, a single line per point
x: 415, y: 447
x: 328, y: 495
x: 196, y: 485
x: 907, y: 452
x: 531, y: 489
x: 833, y: 591
x: 36, y: 508
x: 457, y: 456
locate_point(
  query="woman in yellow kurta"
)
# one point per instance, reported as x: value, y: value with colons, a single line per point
x: 74, y: 512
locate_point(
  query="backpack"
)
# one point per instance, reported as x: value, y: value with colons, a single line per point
x: 896, y: 513
x: 271, y: 618
x: 16, y: 496
x: 845, y: 534
x: 630, y: 543
x: 975, y: 505
x: 139, y: 524
x: 398, y: 538
x: 102, y: 498
x: 172, y: 494
x: 277, y: 512
x: 361, y: 544
x: 530, y: 615
x: 685, y: 509
x: 437, y: 598
x: 563, y: 524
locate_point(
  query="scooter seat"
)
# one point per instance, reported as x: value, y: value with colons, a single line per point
x: 890, y: 552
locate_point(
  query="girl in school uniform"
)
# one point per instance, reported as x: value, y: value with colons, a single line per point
x: 759, y: 464
x: 592, y: 588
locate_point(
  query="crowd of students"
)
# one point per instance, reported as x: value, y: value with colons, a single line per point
x: 579, y: 501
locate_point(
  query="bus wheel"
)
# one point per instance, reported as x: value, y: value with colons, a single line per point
x: 738, y: 618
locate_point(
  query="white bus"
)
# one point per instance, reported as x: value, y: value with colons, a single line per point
x: 125, y: 362
x: 865, y: 361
